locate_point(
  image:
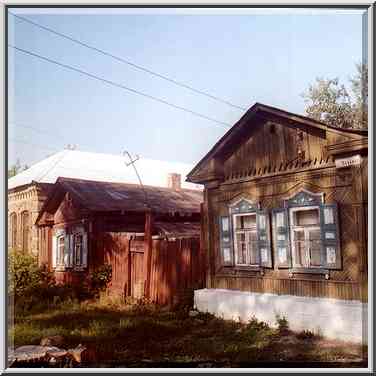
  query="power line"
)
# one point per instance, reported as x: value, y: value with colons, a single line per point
x: 113, y: 83
x: 134, y: 65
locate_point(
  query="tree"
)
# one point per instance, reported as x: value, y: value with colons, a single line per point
x: 16, y: 168
x: 332, y: 103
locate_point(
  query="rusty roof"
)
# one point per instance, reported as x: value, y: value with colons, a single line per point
x: 106, y: 197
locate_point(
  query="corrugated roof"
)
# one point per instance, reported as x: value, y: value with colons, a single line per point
x: 101, y: 167
x: 106, y: 196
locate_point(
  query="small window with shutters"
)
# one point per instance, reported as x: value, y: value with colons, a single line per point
x: 69, y: 248
x: 306, y: 234
x: 244, y: 236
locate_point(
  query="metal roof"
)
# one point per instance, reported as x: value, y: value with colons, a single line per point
x: 107, y: 197
x: 100, y: 167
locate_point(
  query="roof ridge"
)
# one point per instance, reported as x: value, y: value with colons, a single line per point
x: 62, y: 179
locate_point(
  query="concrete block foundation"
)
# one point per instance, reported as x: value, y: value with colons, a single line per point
x: 333, y: 318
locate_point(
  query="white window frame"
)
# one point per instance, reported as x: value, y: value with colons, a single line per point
x: 247, y: 232
x: 306, y: 229
x: 59, y: 265
x: 69, y: 256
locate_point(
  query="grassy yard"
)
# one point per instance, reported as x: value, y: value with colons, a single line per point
x: 119, y: 335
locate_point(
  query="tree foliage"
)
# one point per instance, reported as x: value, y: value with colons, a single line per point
x: 16, y: 168
x: 331, y: 102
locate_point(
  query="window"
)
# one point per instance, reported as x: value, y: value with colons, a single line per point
x: 244, y: 236
x: 306, y: 237
x: 245, y: 239
x: 306, y: 234
x: 60, y: 251
x: 70, y: 248
x: 13, y: 230
x: 25, y: 223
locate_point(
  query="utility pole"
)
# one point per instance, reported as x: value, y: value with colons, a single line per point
x: 132, y: 162
x: 148, y: 241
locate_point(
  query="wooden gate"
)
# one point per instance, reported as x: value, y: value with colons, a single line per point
x: 136, y: 269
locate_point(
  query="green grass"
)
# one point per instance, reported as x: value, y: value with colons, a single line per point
x: 130, y: 336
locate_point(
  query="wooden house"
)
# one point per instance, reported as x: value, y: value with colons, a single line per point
x: 285, y: 223
x: 28, y: 190
x: 149, y: 235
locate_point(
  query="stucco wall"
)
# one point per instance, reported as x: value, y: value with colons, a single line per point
x: 339, y: 319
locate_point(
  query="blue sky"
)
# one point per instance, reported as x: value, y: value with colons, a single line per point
x: 244, y: 57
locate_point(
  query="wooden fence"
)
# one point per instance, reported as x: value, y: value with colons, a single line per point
x: 176, y: 267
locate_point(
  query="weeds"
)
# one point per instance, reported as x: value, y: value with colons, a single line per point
x: 283, y: 325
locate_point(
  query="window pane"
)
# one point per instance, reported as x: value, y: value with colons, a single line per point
x: 314, y: 247
x: 245, y: 221
x: 306, y: 217
x: 241, y: 248
x: 60, y: 250
x: 328, y: 216
x: 280, y: 219
x: 264, y: 255
x: 282, y: 255
x: 299, y: 248
x: 249, y: 221
x: 330, y: 255
x: 281, y: 237
x: 252, y: 236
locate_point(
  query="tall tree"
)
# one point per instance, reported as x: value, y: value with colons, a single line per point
x: 331, y: 102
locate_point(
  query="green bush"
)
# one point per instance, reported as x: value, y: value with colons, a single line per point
x: 25, y: 277
x: 100, y: 278
x: 283, y: 325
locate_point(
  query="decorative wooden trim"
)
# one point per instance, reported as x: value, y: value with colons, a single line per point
x: 309, y: 270
x: 304, y: 197
x: 347, y: 146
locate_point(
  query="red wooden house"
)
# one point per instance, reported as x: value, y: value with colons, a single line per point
x: 150, y: 236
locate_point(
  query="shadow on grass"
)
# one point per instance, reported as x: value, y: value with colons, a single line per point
x: 142, y: 337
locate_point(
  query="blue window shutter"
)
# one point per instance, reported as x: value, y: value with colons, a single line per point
x: 67, y: 250
x: 282, y: 249
x: 263, y: 239
x: 330, y: 242
x: 226, y: 247
x: 84, y: 249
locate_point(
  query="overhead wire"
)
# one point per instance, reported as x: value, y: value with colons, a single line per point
x: 121, y: 86
x: 130, y: 63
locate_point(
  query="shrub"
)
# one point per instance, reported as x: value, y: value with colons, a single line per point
x: 283, y: 325
x: 25, y: 277
x: 256, y: 325
x: 100, y: 278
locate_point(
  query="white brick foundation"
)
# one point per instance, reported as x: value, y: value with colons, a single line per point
x: 339, y: 319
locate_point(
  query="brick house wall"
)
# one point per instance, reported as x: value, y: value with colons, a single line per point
x: 24, y: 205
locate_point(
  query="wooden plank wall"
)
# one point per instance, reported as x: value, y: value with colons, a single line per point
x: 297, y: 287
x: 176, y: 267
